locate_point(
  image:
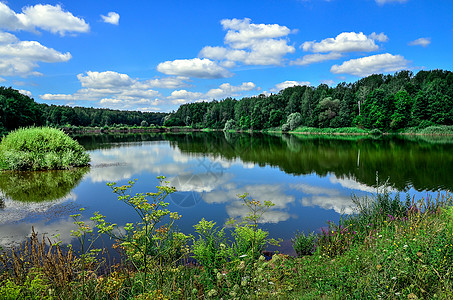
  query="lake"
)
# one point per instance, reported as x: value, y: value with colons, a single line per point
x: 311, y: 179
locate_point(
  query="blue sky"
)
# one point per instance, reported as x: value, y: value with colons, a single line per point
x: 156, y: 55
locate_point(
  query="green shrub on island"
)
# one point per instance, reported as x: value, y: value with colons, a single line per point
x: 40, y: 148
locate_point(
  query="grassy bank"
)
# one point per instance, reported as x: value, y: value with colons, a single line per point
x: 388, y: 249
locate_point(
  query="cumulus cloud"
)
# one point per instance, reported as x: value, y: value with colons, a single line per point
x: 381, y: 37
x: 46, y: 17
x: 344, y: 42
x: 223, y: 91
x: 365, y: 66
x: 251, y: 44
x: 21, y: 58
x: 424, y: 42
x: 242, y: 34
x: 184, y: 96
x: 199, y: 68
x: 381, y: 2
x: 288, y: 83
x: 25, y: 92
x: 111, y: 18
x: 315, y: 58
x: 112, y: 89
x: 227, y: 89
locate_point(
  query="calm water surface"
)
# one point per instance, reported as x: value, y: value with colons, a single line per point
x: 309, y: 178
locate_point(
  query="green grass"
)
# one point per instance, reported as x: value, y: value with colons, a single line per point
x: 40, y: 148
x: 342, y: 130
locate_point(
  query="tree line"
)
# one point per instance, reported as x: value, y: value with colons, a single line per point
x: 18, y: 110
x: 384, y: 102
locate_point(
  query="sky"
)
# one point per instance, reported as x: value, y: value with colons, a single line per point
x: 156, y: 55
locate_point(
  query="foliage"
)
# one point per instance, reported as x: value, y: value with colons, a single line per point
x: 384, y: 102
x: 40, y: 148
x: 147, y: 245
x: 395, y: 250
x: 229, y: 125
x: 304, y: 244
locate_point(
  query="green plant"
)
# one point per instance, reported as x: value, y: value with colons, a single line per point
x: 84, y: 233
x: 38, y: 148
x: 146, y: 245
x: 211, y: 248
x: 304, y: 244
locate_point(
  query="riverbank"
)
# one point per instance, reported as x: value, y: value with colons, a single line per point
x: 389, y: 249
x: 115, y: 129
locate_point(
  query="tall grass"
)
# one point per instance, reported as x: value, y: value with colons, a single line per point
x: 40, y: 148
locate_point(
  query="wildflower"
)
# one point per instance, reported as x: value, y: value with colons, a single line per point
x: 405, y: 246
x: 393, y: 278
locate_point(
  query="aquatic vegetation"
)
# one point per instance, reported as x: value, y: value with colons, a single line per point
x: 40, y: 148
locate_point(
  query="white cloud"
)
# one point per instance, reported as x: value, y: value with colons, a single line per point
x: 289, y: 83
x: 184, y: 96
x: 167, y: 82
x: 46, y: 17
x: 20, y: 58
x: 112, y: 18
x: 25, y: 92
x: 227, y: 89
x: 329, y: 82
x: 200, y: 68
x: 104, y: 80
x: 381, y: 2
x: 251, y: 44
x: 371, y: 65
x: 424, y: 42
x: 315, y: 58
x: 111, y: 89
x: 344, y: 42
x: 381, y: 37
x: 223, y: 91
x: 242, y: 34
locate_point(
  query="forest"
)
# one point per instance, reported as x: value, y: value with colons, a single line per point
x: 18, y: 110
x: 385, y: 102
x: 388, y: 103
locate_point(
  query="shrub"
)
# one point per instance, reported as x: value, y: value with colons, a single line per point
x: 304, y: 244
x: 230, y: 125
x: 294, y: 120
x: 40, y: 148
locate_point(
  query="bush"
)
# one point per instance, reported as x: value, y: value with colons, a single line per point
x: 304, y: 244
x: 230, y: 125
x: 40, y: 148
x: 294, y: 120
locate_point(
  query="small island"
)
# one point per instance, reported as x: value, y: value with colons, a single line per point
x: 41, y: 148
